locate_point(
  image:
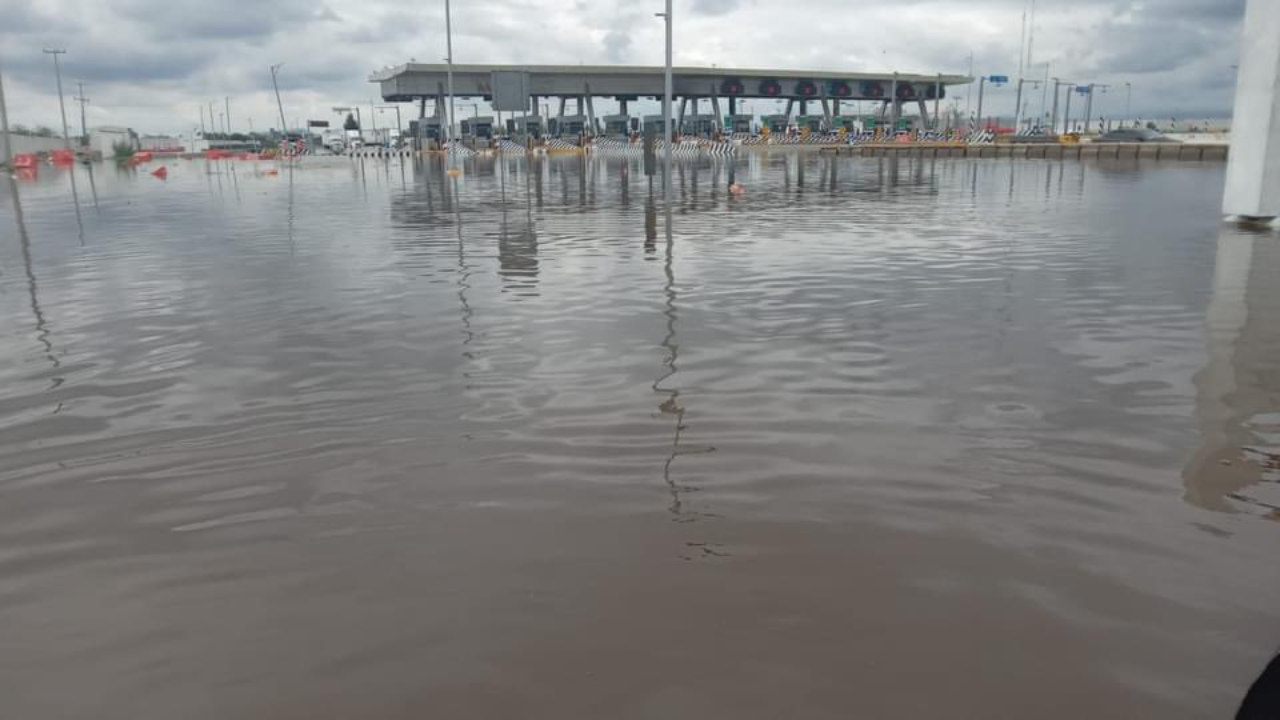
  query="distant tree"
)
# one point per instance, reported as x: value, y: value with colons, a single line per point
x: 350, y: 123
x: 21, y: 129
x: 44, y: 131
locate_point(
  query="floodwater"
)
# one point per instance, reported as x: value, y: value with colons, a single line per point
x: 877, y: 439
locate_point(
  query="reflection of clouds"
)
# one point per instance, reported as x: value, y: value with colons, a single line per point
x: 1238, y: 391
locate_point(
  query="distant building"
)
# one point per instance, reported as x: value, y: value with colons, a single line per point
x: 105, y: 139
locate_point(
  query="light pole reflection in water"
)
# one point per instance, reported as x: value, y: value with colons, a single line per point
x: 672, y: 406
x: 33, y: 286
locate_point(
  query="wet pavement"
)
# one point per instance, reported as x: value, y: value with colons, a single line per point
x: 878, y: 438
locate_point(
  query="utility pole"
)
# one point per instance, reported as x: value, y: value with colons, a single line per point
x: 668, y: 135
x: 6, y: 158
x: 275, y: 70
x: 448, y: 41
x: 84, y: 130
x: 1017, y: 111
x: 1053, y: 118
x: 1128, y: 101
x: 1088, y: 109
x: 227, y: 100
x: 969, y: 94
x: 981, y: 86
x: 1031, y: 34
x: 62, y: 105
x: 1066, y: 115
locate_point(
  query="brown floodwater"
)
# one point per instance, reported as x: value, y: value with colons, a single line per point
x: 878, y: 439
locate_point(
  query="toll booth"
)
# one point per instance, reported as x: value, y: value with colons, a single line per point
x: 699, y: 125
x: 478, y: 127
x: 777, y: 123
x: 427, y: 128
x: 620, y: 125
x: 531, y: 125
x: 655, y: 122
x: 812, y: 123
x: 567, y: 126
x: 738, y: 123
x: 844, y: 121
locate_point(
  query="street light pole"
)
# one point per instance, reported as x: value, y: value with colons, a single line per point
x: 1066, y: 114
x: 84, y: 132
x: 1053, y: 116
x: 668, y: 135
x: 1128, y: 101
x: 448, y: 40
x: 275, y: 69
x: 7, y: 157
x: 1017, y: 111
x: 227, y: 100
x: 969, y: 93
x: 981, y: 86
x: 57, y: 71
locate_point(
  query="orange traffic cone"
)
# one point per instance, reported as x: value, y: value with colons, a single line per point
x: 161, y: 172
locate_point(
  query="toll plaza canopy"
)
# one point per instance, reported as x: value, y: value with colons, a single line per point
x: 416, y: 81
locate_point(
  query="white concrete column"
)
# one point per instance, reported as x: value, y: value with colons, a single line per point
x: 1253, y: 170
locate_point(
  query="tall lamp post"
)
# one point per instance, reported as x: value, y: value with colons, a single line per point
x: 7, y: 157
x: 667, y: 130
x: 57, y: 72
x: 275, y: 70
x: 448, y: 41
x: 1128, y: 102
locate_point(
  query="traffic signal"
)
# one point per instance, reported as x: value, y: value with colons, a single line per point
x: 770, y: 88
x: 732, y: 86
x: 805, y: 88
x: 839, y: 88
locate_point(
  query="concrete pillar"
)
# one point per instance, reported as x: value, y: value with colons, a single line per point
x: 1253, y: 168
x: 924, y: 114
x: 733, y: 106
x: 622, y: 107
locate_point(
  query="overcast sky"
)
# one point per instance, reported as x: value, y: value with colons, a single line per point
x: 149, y: 64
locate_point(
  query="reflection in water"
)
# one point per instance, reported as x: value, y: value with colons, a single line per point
x: 415, y: 468
x: 33, y: 288
x: 1238, y: 392
x: 673, y: 406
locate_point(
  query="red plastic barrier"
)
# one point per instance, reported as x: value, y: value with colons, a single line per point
x: 24, y: 162
x: 63, y: 157
x: 216, y: 154
x: 161, y: 172
x: 142, y: 157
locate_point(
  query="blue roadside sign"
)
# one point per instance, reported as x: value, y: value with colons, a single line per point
x: 998, y: 79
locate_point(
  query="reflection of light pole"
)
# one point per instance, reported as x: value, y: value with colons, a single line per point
x: 57, y: 72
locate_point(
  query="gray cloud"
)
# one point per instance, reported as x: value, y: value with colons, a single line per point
x: 152, y: 62
x: 715, y: 7
x: 617, y: 46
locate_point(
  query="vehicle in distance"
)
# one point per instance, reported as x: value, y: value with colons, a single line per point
x: 1135, y: 135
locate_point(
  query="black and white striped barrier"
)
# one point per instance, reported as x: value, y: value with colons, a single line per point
x: 457, y: 149
x: 686, y: 149
x: 379, y: 153
x: 986, y: 137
